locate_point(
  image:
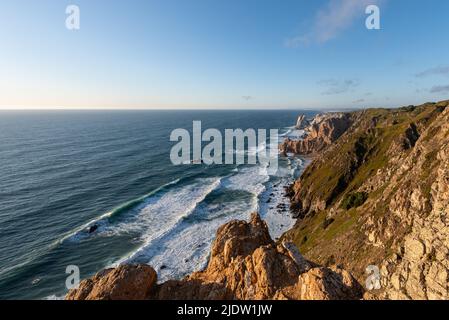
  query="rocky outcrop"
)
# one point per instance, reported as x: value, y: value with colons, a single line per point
x: 323, y: 284
x: 302, y: 122
x: 324, y: 129
x: 245, y: 263
x: 127, y: 282
x: 398, y: 160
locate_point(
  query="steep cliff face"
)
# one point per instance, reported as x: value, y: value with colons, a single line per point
x: 379, y: 196
x: 320, y: 133
x: 245, y: 263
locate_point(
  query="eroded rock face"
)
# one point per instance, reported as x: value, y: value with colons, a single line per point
x: 302, y: 122
x: 423, y: 271
x: 400, y: 159
x: 323, y: 284
x: 127, y: 282
x: 245, y: 264
x: 251, y: 266
x: 324, y: 129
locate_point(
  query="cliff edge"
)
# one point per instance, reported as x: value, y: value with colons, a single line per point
x: 245, y: 263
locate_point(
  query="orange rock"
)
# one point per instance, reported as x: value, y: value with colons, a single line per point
x: 127, y: 282
x: 245, y: 264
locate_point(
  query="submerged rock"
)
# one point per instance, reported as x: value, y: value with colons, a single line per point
x: 92, y: 229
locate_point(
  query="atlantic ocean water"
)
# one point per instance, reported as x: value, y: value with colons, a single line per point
x: 64, y: 172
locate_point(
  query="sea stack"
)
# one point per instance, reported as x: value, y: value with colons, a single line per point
x: 302, y: 122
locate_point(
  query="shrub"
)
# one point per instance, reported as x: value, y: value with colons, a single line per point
x: 354, y: 200
x: 327, y: 223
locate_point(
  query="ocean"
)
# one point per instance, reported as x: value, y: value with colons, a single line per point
x: 63, y: 172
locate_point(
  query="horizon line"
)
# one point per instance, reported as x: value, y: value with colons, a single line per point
x: 187, y: 109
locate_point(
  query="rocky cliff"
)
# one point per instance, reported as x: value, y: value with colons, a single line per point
x: 245, y: 263
x: 302, y: 122
x: 320, y: 133
x: 379, y: 195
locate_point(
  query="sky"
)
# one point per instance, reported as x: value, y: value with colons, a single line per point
x: 299, y: 54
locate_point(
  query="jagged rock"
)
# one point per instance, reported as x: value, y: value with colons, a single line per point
x: 92, y: 229
x: 324, y: 284
x: 302, y: 122
x: 324, y: 129
x: 192, y: 290
x: 414, y: 249
x: 294, y: 253
x: 238, y: 238
x: 246, y: 260
x: 245, y: 263
x: 127, y: 282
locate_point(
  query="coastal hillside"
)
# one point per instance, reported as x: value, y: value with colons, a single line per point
x: 377, y: 193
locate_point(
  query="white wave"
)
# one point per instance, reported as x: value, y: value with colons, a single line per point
x: 54, y: 297
x: 253, y: 150
x: 296, y: 134
x: 250, y: 179
x: 274, y: 208
x: 165, y: 214
x: 177, y: 227
x: 80, y: 232
x: 186, y: 248
x: 175, y: 247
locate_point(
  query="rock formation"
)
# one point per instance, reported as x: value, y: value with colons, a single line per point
x: 123, y: 283
x: 302, y: 122
x: 379, y: 195
x: 323, y: 130
x: 245, y: 263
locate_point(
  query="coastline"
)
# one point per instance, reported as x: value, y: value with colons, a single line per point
x: 274, y: 203
x: 335, y: 238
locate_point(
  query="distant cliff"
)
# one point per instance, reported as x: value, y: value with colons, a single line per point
x: 320, y: 133
x: 379, y: 195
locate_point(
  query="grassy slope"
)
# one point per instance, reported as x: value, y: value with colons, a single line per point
x: 343, y: 169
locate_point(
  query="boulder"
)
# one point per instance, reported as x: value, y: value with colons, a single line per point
x: 126, y: 282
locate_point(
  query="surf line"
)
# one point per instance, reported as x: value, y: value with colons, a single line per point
x: 189, y: 148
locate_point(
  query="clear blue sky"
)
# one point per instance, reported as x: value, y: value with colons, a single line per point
x: 223, y: 54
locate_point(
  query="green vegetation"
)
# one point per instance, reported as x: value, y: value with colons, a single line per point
x: 367, y: 157
x: 354, y: 200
